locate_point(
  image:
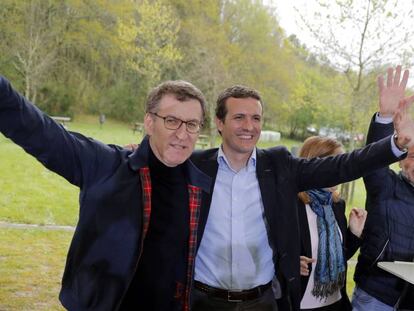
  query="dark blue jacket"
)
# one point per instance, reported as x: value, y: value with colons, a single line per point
x: 389, y: 230
x: 105, y: 249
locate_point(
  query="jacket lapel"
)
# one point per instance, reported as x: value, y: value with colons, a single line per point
x: 266, y: 178
x: 304, y: 229
x: 209, y: 166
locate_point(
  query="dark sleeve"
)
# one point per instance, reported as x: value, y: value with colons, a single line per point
x: 325, y: 172
x: 70, y: 155
x: 352, y: 244
x: 377, y: 182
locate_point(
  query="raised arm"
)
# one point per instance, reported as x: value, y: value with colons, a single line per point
x: 358, y: 163
x: 70, y: 155
x: 392, y: 104
x: 356, y: 223
x: 391, y: 94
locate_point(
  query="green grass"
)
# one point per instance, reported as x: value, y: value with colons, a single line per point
x: 350, y: 284
x: 112, y: 132
x: 31, y: 267
x: 29, y: 193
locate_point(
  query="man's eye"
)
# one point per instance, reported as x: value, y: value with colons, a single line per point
x: 172, y: 121
x: 192, y: 125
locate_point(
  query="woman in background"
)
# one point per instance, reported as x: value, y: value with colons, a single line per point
x: 327, y: 243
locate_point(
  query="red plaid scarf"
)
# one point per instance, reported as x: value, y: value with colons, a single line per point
x: 194, y: 209
x: 146, y: 193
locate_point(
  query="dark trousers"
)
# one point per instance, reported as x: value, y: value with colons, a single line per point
x: 201, y: 301
x: 337, y: 306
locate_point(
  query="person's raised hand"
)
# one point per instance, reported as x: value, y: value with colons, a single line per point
x: 391, y: 92
x: 356, y: 221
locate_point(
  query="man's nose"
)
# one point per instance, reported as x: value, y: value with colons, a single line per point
x: 181, y: 132
x: 248, y: 124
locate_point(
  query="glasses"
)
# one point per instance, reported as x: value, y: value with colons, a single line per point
x: 173, y: 123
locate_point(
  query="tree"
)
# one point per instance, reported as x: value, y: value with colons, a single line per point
x: 233, y: 42
x: 378, y: 32
x: 94, y: 56
x: 32, y: 41
x: 261, y: 57
x: 149, y: 39
x: 206, y: 51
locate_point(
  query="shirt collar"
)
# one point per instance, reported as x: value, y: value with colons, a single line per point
x: 222, y: 160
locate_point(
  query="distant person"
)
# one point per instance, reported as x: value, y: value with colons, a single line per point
x: 134, y: 244
x: 249, y: 232
x: 326, y: 240
x: 102, y: 119
x: 389, y: 230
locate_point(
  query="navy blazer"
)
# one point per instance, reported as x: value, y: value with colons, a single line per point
x: 350, y: 243
x: 106, y: 245
x: 389, y: 229
x: 281, y: 176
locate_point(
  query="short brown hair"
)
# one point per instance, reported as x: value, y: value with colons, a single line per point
x: 236, y: 91
x: 318, y: 146
x: 181, y: 90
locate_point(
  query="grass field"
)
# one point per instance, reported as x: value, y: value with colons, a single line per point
x: 32, y: 260
x: 31, y: 267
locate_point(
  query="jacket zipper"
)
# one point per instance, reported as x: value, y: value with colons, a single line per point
x: 380, y: 254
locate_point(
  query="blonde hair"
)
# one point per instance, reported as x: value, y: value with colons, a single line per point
x: 319, y: 147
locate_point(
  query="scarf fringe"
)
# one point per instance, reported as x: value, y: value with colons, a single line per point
x: 323, y: 290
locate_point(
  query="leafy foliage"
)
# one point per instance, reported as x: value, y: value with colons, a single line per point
x: 103, y: 56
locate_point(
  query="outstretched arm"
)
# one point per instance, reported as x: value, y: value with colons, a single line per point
x: 70, y: 155
x: 391, y: 91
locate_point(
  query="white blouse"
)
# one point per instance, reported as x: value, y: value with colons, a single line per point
x: 309, y: 301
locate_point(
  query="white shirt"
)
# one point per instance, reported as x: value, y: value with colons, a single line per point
x: 234, y: 252
x: 309, y: 301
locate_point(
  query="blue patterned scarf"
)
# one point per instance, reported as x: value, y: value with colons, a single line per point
x: 329, y: 273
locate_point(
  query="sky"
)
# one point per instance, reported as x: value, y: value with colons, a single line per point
x: 289, y: 20
x: 286, y: 15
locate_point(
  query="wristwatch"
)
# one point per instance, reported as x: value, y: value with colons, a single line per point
x: 403, y: 148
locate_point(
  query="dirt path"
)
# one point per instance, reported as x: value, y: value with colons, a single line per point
x: 34, y: 226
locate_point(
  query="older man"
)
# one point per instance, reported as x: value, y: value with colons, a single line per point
x: 134, y: 245
x: 389, y: 230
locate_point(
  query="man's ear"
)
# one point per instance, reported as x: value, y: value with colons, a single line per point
x: 148, y: 124
x: 219, y: 124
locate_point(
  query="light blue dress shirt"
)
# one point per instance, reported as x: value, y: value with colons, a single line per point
x: 234, y: 252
